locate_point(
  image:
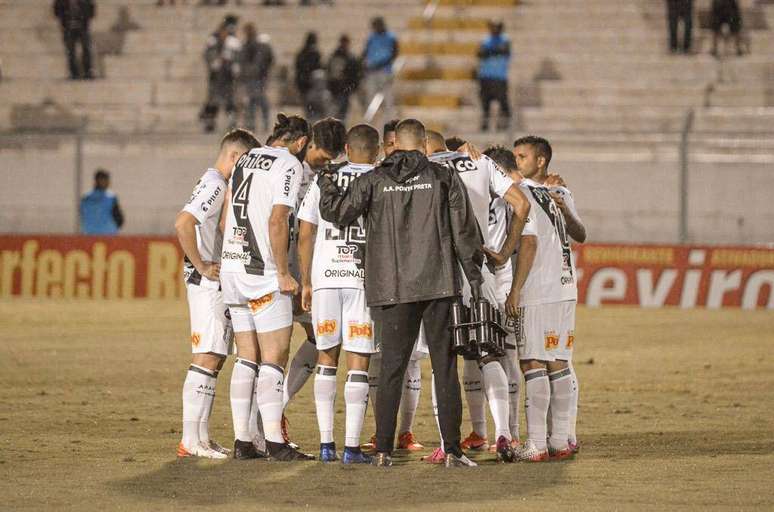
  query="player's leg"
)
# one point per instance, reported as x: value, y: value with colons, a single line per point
x: 273, y: 318
x: 513, y: 372
x: 476, y: 400
x: 572, y: 438
x: 533, y: 356
x: 303, y: 363
x: 560, y: 377
x: 409, y: 400
x: 326, y: 314
x: 358, y: 341
x: 495, y: 384
x: 374, y: 370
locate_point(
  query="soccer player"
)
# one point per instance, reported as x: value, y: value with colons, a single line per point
x: 499, y: 220
x: 332, y: 271
x: 480, y: 177
x: 533, y: 156
x: 545, y: 289
x: 257, y: 285
x: 211, y: 332
x: 326, y: 144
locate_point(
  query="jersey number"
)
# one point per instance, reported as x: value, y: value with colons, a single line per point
x: 242, y: 197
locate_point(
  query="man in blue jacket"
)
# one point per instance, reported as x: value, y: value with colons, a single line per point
x: 380, y: 51
x: 100, y: 212
x: 494, y: 56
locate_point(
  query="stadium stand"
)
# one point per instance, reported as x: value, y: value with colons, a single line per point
x: 593, y: 76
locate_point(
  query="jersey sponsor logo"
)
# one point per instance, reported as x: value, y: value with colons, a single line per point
x: 360, y: 330
x: 344, y: 273
x: 261, y: 303
x: 206, y: 205
x: 326, y: 327
x: 196, y: 338
x: 552, y: 340
x: 570, y: 339
x: 461, y: 164
x: 257, y: 161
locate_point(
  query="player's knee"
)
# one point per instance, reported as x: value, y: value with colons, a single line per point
x: 557, y: 365
x: 532, y: 364
x: 357, y: 361
x: 209, y: 360
x: 329, y: 357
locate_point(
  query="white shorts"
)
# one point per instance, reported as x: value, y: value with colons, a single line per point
x: 211, y: 329
x: 421, y: 350
x: 270, y: 312
x: 340, y: 317
x: 546, y: 332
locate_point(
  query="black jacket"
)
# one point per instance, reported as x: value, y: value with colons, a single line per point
x: 343, y: 73
x: 77, y: 18
x: 420, y: 228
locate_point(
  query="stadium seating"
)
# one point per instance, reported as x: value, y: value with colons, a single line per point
x: 591, y: 75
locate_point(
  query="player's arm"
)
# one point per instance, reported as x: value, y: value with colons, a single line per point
x: 573, y: 223
x: 524, y: 261
x: 185, y: 226
x: 224, y: 210
x: 520, y: 206
x: 343, y: 208
x: 279, y: 238
x: 307, y: 232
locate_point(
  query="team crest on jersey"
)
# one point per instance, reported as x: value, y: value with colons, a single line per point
x: 196, y: 338
x: 358, y: 330
x: 570, y: 339
x: 552, y: 340
x: 261, y: 303
x: 326, y: 327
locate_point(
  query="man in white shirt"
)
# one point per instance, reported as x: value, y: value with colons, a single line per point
x: 211, y: 333
x: 332, y: 268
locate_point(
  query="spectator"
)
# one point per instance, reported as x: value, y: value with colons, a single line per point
x: 256, y: 60
x: 494, y: 57
x: 217, y: 2
x: 161, y: 3
x: 124, y: 21
x: 343, y: 76
x: 221, y: 56
x: 380, y: 52
x: 307, y: 61
x: 680, y: 10
x: 99, y: 211
x: 318, y: 97
x: 726, y: 12
x: 75, y: 17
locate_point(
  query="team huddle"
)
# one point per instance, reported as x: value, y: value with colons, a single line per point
x: 277, y: 232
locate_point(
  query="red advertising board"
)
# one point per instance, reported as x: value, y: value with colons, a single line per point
x: 645, y: 275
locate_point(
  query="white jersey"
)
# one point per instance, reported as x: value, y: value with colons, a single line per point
x: 482, y: 178
x: 499, y: 219
x: 262, y: 178
x: 307, y: 176
x: 552, y: 277
x: 339, y: 253
x: 205, y: 205
x: 566, y: 195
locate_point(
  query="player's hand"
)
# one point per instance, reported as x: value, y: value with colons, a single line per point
x: 471, y: 150
x: 495, y: 258
x: 555, y: 180
x: 210, y: 270
x: 287, y: 284
x: 306, y: 297
x: 512, y: 304
x: 559, y: 200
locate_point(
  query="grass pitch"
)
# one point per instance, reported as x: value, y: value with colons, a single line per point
x: 677, y: 412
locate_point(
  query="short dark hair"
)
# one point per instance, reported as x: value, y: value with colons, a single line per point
x: 454, y: 143
x: 289, y: 128
x: 244, y: 138
x: 541, y: 145
x: 101, y: 173
x: 390, y: 126
x: 413, y: 129
x: 363, y: 137
x: 502, y: 156
x: 330, y: 135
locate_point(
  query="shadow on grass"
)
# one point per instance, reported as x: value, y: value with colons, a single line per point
x: 274, y: 485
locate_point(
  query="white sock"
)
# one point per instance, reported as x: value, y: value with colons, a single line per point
x: 197, y: 381
x: 271, y: 379
x: 435, y: 408
x: 474, y: 396
x: 242, y: 384
x: 356, y: 399
x: 256, y: 425
x: 204, y: 421
x: 409, y: 399
x: 496, y: 388
x: 324, y: 399
x: 374, y: 369
x: 561, y: 394
x: 573, y: 406
x: 513, y: 371
x: 536, y: 405
x: 301, y: 368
